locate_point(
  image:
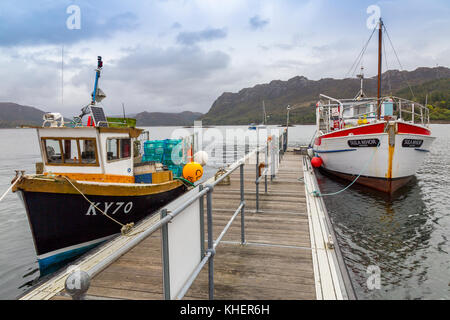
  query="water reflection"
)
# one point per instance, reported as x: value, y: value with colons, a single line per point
x: 388, y: 231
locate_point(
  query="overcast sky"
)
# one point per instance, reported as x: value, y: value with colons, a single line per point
x: 176, y: 55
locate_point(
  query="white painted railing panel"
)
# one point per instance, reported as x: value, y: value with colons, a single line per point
x: 184, y: 240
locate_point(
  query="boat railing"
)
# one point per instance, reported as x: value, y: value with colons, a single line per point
x: 412, y: 111
x: 193, y: 205
x: 403, y: 109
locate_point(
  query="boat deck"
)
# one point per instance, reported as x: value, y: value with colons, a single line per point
x: 285, y: 256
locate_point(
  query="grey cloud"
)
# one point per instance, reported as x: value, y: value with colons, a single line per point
x: 257, y: 23
x: 160, y: 79
x: 176, y: 25
x: 209, y: 34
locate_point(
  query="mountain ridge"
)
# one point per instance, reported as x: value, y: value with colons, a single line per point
x: 245, y: 106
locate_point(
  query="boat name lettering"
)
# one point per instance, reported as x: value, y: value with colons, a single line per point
x: 112, y: 207
x: 363, y: 143
x: 412, y: 143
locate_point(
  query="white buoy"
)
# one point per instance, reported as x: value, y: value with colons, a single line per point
x: 201, y: 157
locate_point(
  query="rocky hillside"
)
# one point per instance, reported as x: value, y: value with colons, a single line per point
x: 245, y: 106
x: 14, y: 115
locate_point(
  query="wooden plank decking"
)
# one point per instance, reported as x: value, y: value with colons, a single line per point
x: 278, y: 261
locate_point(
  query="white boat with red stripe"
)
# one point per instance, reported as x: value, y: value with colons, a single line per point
x: 385, y: 153
x: 378, y: 142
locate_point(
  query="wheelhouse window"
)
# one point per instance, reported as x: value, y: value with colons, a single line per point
x: 70, y: 151
x: 118, y: 148
x: 88, y: 151
x: 53, y: 151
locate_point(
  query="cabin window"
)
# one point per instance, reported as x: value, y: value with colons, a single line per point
x: 70, y: 151
x: 125, y: 148
x: 118, y: 149
x: 88, y: 151
x: 53, y: 151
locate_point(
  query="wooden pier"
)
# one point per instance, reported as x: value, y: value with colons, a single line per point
x: 289, y: 251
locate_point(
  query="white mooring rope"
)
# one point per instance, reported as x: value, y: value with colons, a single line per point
x: 125, y: 227
x: 9, y: 189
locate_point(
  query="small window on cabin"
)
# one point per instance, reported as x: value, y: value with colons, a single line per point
x: 117, y: 149
x: 87, y: 149
x: 53, y: 151
x: 125, y: 148
x: 112, y: 149
x: 70, y: 151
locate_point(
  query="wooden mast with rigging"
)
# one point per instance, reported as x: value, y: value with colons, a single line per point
x: 380, y: 43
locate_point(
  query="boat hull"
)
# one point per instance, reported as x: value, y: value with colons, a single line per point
x: 380, y: 184
x: 383, y: 159
x: 66, y: 225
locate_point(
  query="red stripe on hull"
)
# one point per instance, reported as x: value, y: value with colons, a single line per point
x: 380, y: 184
x: 412, y: 129
x: 365, y: 129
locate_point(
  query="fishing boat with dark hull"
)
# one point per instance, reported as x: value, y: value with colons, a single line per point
x: 378, y: 142
x: 89, y: 186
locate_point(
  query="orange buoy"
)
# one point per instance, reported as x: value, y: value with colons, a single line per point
x: 316, y: 162
x: 192, y: 171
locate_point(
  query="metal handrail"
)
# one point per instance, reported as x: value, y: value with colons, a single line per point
x: 141, y: 236
x: 225, y: 229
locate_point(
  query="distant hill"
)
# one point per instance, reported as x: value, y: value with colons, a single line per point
x: 13, y: 115
x: 245, y: 106
x: 150, y: 119
x: 437, y: 95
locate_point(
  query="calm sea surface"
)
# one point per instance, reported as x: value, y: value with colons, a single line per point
x: 405, y: 235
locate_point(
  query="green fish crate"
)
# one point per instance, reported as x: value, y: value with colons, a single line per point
x: 177, y: 170
x: 152, y: 157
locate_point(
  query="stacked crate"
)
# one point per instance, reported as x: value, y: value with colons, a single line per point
x: 163, y: 151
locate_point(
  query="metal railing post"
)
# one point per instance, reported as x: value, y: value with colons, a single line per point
x: 202, y: 223
x: 165, y: 256
x: 235, y: 156
x: 273, y: 158
x: 210, y: 242
x: 266, y: 166
x: 242, y: 202
x: 257, y: 172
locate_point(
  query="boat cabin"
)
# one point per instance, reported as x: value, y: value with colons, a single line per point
x: 102, y: 154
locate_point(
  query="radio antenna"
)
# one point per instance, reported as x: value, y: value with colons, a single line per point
x: 62, y: 75
x: 123, y: 109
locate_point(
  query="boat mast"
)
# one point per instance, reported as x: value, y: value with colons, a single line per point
x: 380, y: 42
x: 97, y: 76
x: 361, y: 94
